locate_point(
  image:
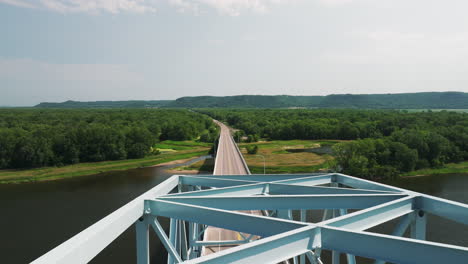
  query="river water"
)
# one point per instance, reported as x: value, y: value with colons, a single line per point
x: 39, y: 216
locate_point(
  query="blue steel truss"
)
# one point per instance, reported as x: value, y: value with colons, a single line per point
x: 194, y: 202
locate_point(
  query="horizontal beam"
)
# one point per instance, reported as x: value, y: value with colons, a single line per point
x: 274, y: 249
x: 444, y: 208
x: 88, y: 243
x: 279, y: 202
x: 276, y: 188
x: 250, y: 189
x: 246, y: 223
x: 374, y: 216
x: 359, y: 183
x: 221, y: 242
x: 390, y: 248
x: 308, y: 181
x: 212, y: 182
x: 263, y: 177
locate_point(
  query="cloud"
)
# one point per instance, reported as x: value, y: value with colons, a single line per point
x: 87, y: 6
x: 224, y: 7
x: 229, y: 7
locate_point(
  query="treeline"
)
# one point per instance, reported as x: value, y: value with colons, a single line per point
x: 385, y: 143
x: 106, y: 104
x: 428, y: 100
x: 45, y: 137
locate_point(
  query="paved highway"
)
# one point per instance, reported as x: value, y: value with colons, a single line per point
x: 229, y: 161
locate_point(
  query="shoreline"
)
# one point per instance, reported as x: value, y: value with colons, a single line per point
x: 433, y: 174
x: 88, y: 169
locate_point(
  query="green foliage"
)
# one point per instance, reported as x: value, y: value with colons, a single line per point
x: 387, y: 142
x: 210, y: 135
x: 374, y: 158
x: 54, y: 137
x: 252, y: 138
x: 430, y: 100
x: 106, y: 104
x: 252, y: 149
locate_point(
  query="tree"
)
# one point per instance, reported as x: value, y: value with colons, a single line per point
x: 252, y: 149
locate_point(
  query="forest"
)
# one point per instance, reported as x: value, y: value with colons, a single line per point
x: 428, y: 100
x: 31, y: 138
x: 378, y: 143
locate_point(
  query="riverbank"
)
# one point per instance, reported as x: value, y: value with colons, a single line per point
x: 450, y: 168
x: 184, y: 153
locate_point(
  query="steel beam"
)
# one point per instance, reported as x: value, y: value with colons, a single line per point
x: 142, y: 241
x: 212, y: 182
x: 88, y: 243
x: 418, y: 225
x: 390, y: 248
x: 174, y: 256
x: 374, y: 216
x: 242, y: 190
x: 172, y: 240
x: 359, y: 183
x: 273, y: 249
x: 399, y: 230
x: 264, y: 177
x: 287, y: 202
x: 278, y: 189
x: 308, y: 181
x: 251, y: 224
x: 454, y: 211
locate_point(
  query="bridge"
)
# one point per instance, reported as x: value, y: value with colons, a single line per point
x: 236, y: 217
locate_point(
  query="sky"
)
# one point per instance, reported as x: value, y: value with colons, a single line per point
x: 88, y: 50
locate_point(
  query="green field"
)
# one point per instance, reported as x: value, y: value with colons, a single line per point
x: 181, y: 145
x: 277, y: 158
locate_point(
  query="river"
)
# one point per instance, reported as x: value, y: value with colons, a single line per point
x: 36, y: 217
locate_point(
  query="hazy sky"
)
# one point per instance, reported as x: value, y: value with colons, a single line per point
x: 57, y: 50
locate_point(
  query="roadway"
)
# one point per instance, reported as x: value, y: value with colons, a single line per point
x: 229, y: 161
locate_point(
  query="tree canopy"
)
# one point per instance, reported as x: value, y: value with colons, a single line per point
x: 49, y: 137
x: 384, y: 142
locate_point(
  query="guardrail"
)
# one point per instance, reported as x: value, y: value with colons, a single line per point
x: 240, y: 154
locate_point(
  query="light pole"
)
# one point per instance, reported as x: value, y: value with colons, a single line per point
x: 264, y: 162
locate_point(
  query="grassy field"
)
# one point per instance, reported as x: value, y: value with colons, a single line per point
x: 52, y: 173
x: 450, y: 168
x: 204, y: 166
x: 278, y: 159
x: 170, y: 145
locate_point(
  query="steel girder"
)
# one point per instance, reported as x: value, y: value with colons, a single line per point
x: 211, y: 200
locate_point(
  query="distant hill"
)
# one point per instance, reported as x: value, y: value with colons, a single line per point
x: 105, y: 104
x: 429, y: 100
x: 248, y: 101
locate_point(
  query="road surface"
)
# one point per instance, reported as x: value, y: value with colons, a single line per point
x: 229, y: 161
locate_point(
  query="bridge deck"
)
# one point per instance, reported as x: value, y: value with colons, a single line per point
x: 229, y: 161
